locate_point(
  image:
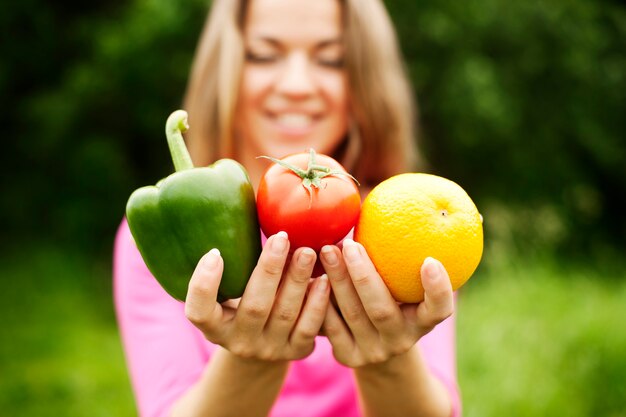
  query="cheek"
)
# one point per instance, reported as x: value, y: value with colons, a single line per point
x: 254, y: 85
x: 336, y: 125
x: 336, y: 91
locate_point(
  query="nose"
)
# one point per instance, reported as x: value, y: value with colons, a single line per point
x: 296, y: 79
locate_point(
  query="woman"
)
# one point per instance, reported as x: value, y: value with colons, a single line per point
x: 273, y: 77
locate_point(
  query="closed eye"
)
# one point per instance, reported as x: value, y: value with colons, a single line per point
x: 332, y: 63
x: 261, y: 58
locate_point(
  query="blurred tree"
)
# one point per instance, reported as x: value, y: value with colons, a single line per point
x: 522, y: 103
x: 92, y: 90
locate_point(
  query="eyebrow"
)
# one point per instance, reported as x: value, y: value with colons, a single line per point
x: 322, y: 44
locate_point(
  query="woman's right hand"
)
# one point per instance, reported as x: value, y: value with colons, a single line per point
x: 276, y: 319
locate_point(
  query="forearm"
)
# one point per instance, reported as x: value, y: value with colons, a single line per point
x: 402, y: 386
x: 232, y: 386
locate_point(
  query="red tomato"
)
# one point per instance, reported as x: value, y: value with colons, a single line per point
x: 312, y: 217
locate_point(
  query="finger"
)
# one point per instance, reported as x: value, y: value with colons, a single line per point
x: 345, y: 294
x: 291, y: 293
x: 335, y: 328
x: 258, y: 298
x: 313, y: 314
x: 438, y: 302
x: 379, y: 305
x: 201, y: 306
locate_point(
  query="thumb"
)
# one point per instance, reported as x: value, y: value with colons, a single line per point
x: 438, y: 302
x: 201, y: 306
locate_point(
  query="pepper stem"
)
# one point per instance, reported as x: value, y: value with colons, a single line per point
x: 175, y: 126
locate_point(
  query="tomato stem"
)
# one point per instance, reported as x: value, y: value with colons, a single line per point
x: 299, y: 172
x: 319, y: 168
x: 313, y: 175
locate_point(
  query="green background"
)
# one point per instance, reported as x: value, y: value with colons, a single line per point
x: 521, y: 103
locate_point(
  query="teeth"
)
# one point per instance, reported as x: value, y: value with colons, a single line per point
x: 295, y: 120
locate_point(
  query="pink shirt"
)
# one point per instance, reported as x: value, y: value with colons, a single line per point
x: 166, y: 354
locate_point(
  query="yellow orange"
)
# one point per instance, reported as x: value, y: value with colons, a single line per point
x: 412, y: 216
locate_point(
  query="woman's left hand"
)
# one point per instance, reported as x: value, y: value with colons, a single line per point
x: 372, y: 327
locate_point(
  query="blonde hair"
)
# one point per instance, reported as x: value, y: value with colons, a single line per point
x: 381, y: 140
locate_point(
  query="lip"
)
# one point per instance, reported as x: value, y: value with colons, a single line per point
x: 293, y: 123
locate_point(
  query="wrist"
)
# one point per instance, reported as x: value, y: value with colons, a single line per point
x: 233, y: 386
x: 402, y: 385
x: 254, y: 364
x: 392, y: 367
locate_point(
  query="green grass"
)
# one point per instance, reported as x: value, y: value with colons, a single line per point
x: 534, y: 339
x: 60, y: 353
x: 541, y: 340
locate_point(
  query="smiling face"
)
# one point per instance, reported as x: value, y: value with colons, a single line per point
x: 293, y: 92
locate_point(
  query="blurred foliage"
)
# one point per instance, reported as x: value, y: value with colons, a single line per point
x: 542, y: 339
x: 90, y: 93
x: 522, y: 103
x: 60, y: 352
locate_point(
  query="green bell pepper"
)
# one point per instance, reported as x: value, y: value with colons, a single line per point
x: 192, y: 211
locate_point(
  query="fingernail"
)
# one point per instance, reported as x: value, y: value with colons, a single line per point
x: 322, y: 283
x: 211, y: 259
x: 279, y: 243
x: 306, y: 257
x: 329, y: 255
x: 350, y: 250
x: 431, y: 268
